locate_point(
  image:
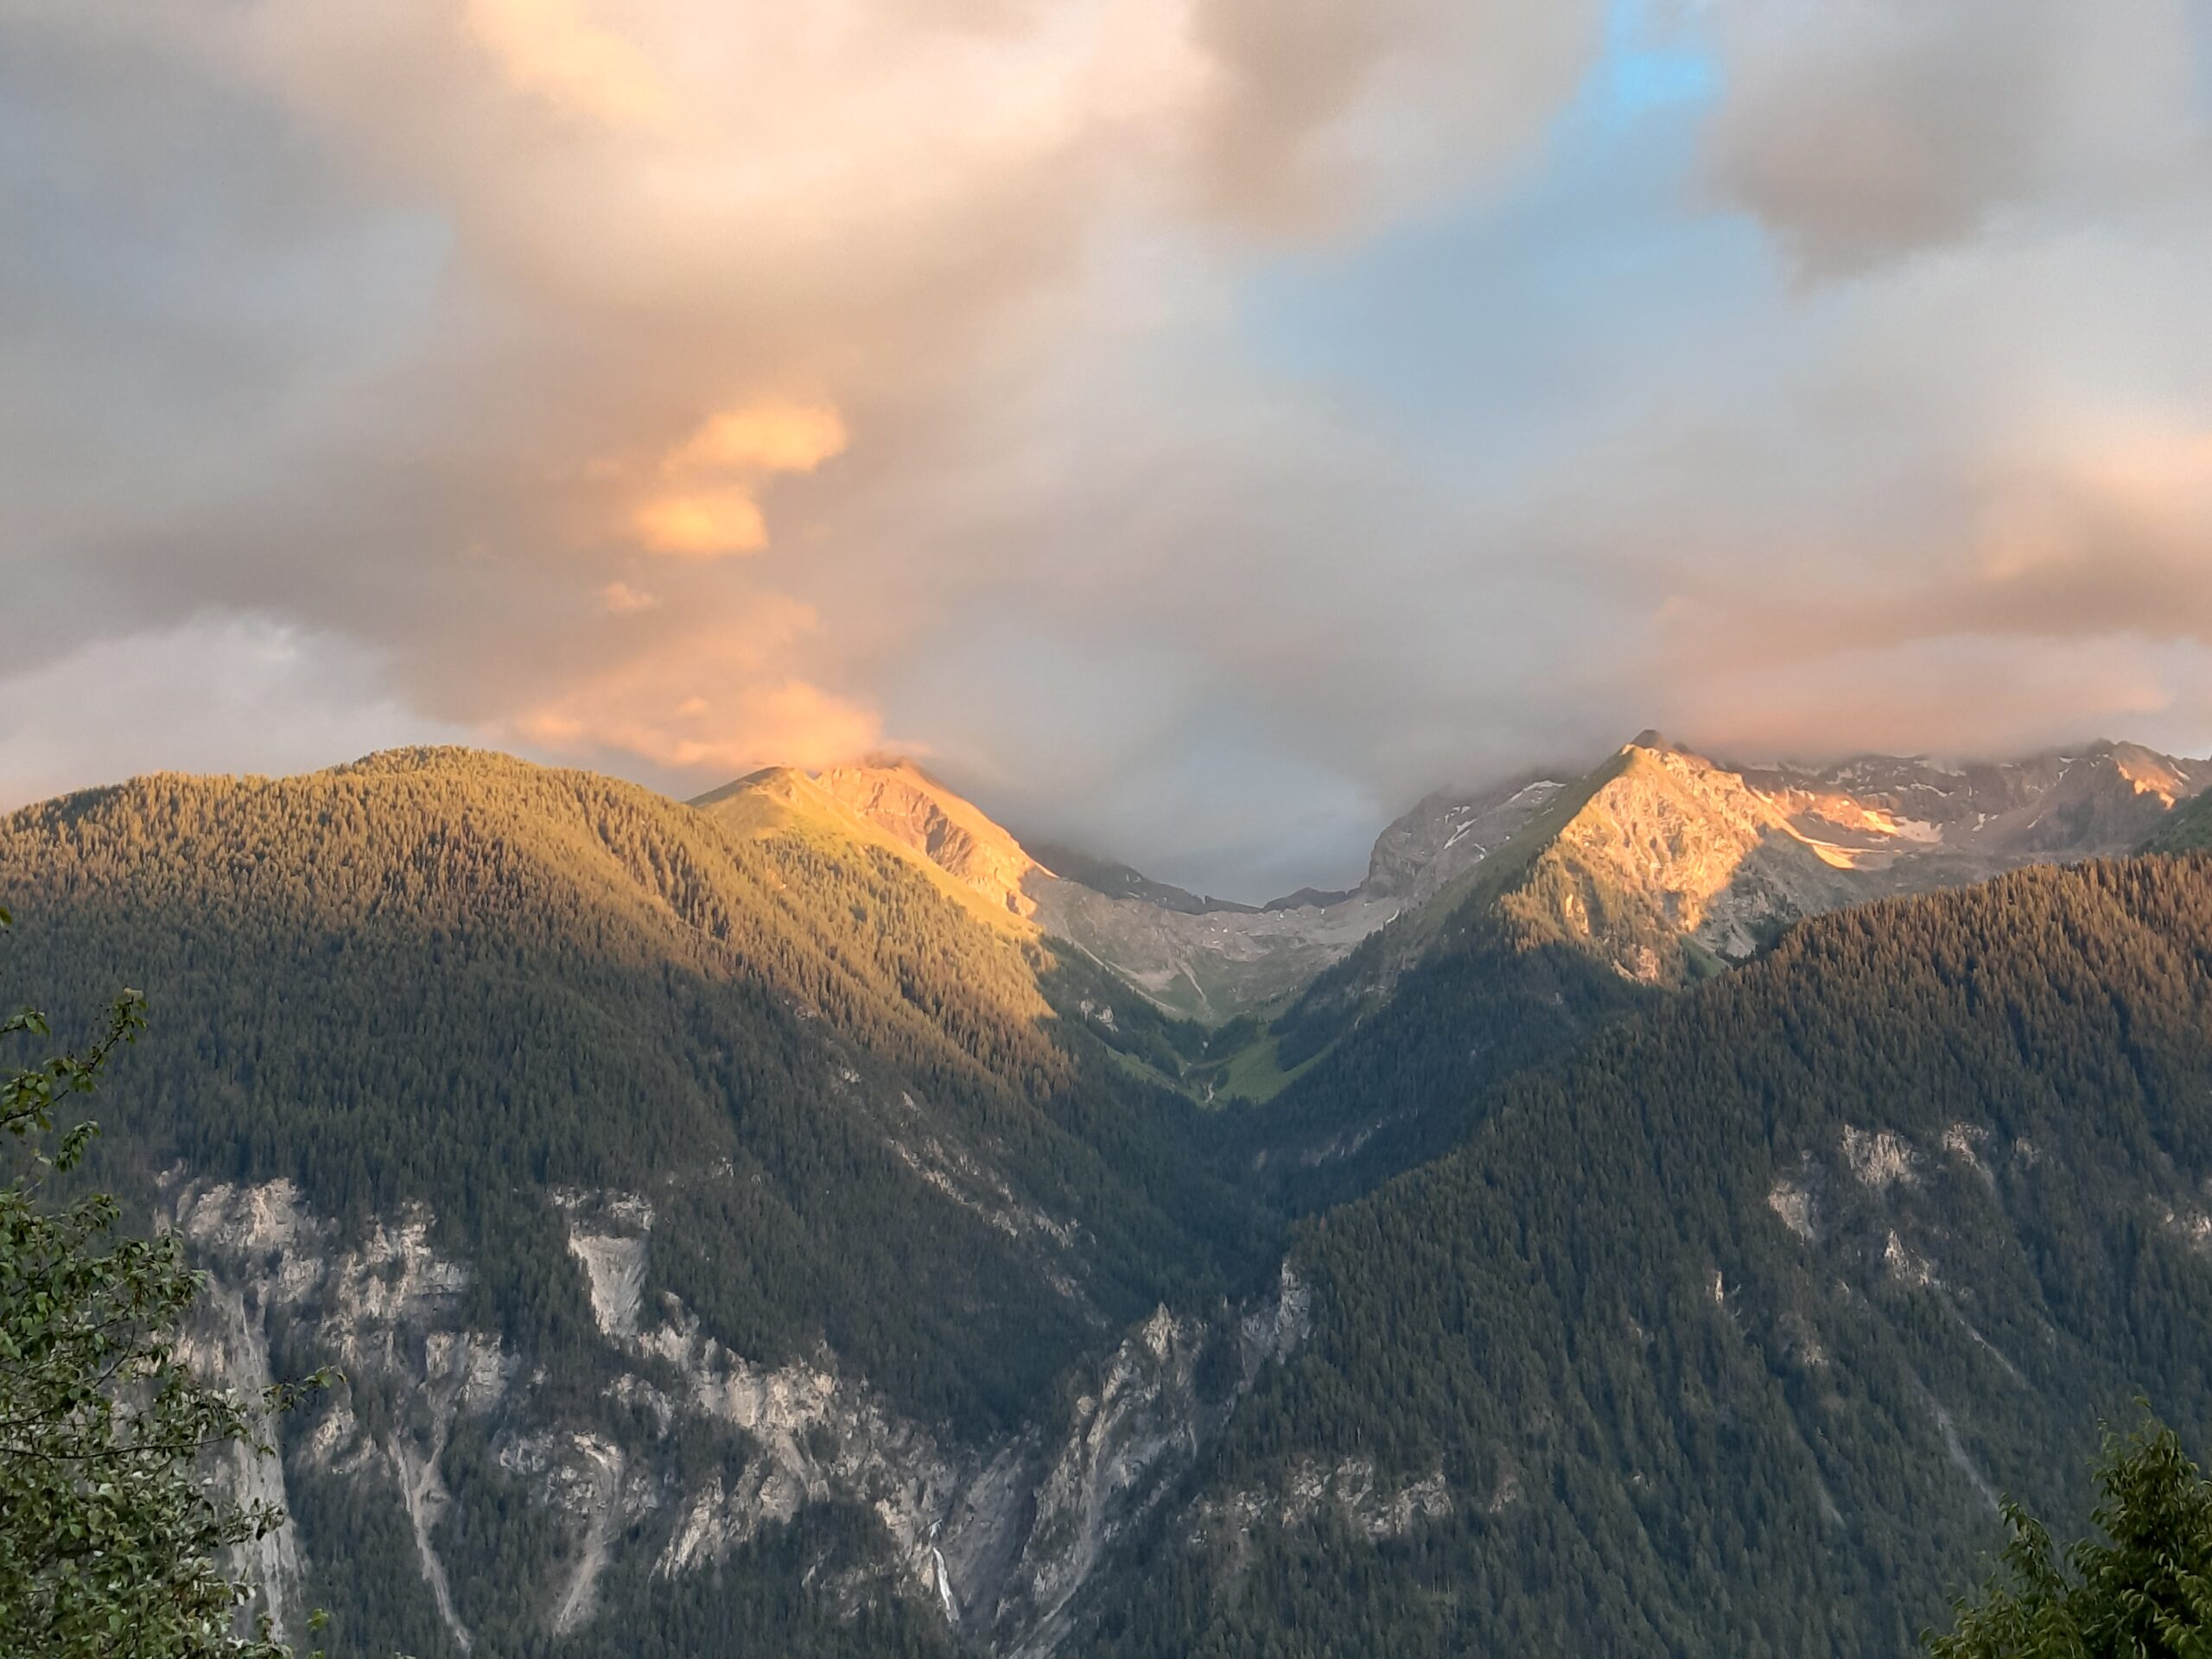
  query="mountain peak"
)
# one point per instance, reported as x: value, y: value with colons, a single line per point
x: 1676, y: 858
x: 2152, y: 773
x: 891, y: 797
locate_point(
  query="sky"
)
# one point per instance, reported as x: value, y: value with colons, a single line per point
x: 1197, y: 428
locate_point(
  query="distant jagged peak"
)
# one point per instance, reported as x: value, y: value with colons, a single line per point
x: 1705, y: 850
x: 1117, y: 881
x: 2152, y: 773
x: 1888, y: 780
x: 1663, y: 839
x: 1450, y: 831
x: 1311, y: 898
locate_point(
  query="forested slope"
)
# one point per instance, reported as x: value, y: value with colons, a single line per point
x: 454, y: 978
x: 2189, y: 827
x: 1723, y: 1337
x: 728, y: 1222
x: 1401, y: 1042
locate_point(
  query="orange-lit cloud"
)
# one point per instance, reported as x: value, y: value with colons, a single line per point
x: 2145, y: 487
x: 708, y: 506
x: 553, y: 49
x: 706, y: 713
x: 1959, y: 698
x: 594, y: 288
x: 704, y: 525
x: 790, y: 722
x: 714, y: 696
x: 773, y: 437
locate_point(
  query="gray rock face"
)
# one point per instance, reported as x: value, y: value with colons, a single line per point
x: 1212, y: 965
x: 1000, y: 1540
x: 1886, y: 823
x: 1735, y: 850
x: 1669, y: 860
x: 1449, y: 834
x: 2100, y: 798
x: 384, y: 1306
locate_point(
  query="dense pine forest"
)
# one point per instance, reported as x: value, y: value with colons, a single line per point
x: 1709, y: 1318
x: 449, y: 978
x: 1726, y: 1335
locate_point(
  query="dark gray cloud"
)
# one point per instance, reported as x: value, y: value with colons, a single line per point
x: 1861, y: 129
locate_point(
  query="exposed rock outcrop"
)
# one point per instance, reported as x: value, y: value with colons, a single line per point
x: 999, y: 1539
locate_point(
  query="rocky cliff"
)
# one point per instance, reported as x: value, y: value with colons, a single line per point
x: 684, y: 1452
x: 1674, y: 860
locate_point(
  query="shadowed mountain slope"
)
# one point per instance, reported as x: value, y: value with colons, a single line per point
x: 1652, y: 872
x: 2188, y: 828
x: 1726, y: 1337
x: 451, y: 978
x: 753, y: 1217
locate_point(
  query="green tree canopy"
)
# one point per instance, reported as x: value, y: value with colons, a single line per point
x: 2144, y: 1590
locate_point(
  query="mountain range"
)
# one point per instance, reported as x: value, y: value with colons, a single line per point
x: 1657, y: 1210
x: 1718, y: 854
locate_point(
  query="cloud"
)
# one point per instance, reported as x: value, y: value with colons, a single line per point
x: 1313, y: 104
x: 380, y: 289
x: 710, y: 705
x: 709, y: 525
x: 2096, y: 536
x: 1207, y: 424
x: 620, y: 599
x: 1861, y: 129
x: 216, y: 692
x: 774, y: 437
x: 715, y: 512
x: 1960, y: 696
x: 550, y: 48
